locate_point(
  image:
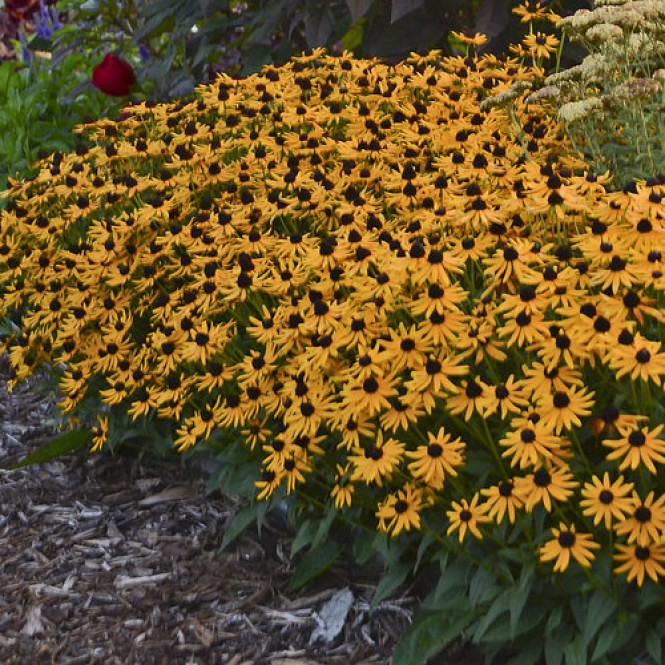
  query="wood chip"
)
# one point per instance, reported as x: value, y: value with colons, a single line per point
x: 126, y: 582
x: 181, y: 493
x: 33, y: 622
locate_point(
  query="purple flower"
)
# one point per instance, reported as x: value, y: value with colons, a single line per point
x: 26, y: 56
x: 144, y: 53
x: 47, y: 21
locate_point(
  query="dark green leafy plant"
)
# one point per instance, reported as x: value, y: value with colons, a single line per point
x: 178, y: 45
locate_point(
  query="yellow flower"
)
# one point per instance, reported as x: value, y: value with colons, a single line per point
x: 646, y: 523
x: 477, y: 39
x: 442, y: 455
x: 638, y: 447
x: 343, y: 489
x: 544, y: 485
x: 604, y: 500
x: 540, y: 46
x: 534, y: 10
x: 400, y: 511
x: 100, y: 433
x: 377, y: 461
x: 566, y: 544
x: 466, y: 517
x: 637, y: 560
x: 502, y: 501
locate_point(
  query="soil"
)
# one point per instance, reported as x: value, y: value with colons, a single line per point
x: 116, y: 560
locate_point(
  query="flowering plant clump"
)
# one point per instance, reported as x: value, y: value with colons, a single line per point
x: 611, y: 104
x: 352, y: 273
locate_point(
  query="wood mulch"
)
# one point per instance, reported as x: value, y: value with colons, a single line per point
x: 116, y: 560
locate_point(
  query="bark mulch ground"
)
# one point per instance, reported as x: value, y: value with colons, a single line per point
x: 116, y: 561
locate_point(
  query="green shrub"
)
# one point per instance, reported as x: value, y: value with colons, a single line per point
x: 348, y: 283
x: 40, y: 104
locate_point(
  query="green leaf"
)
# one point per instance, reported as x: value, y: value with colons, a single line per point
x: 239, y: 523
x: 363, y: 547
x: 61, y: 445
x: 603, y: 643
x: 601, y: 607
x: 255, y: 58
x: 483, y: 587
x: 519, y: 596
x: 498, y: 607
x: 654, y: 644
x: 304, y: 536
x: 401, y: 8
x: 575, y: 652
x: 318, y: 27
x: 555, y: 642
x: 624, y: 631
x: 390, y: 581
x: 353, y: 37
x: 554, y: 619
x: 155, y: 25
x: 530, y: 651
x: 324, y: 527
x: 431, y: 631
x: 358, y: 8
x: 453, y: 577
x: 426, y: 542
x: 314, y: 563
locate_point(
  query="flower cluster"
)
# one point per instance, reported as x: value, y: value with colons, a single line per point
x: 355, y: 269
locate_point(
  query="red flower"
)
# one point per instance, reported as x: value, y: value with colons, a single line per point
x: 113, y: 76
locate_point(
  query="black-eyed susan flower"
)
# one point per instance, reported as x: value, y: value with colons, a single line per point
x: 534, y: 10
x: 378, y: 460
x: 100, y: 433
x: 407, y: 348
x: 343, y: 489
x: 501, y: 500
x: 567, y: 543
x: 477, y: 39
x: 546, y: 483
x: 541, y: 380
x: 470, y: 399
x: 466, y: 517
x: 370, y: 394
x: 255, y: 432
x: 436, y: 374
x: 505, y: 397
x: 403, y: 412
x: 564, y: 408
x: 352, y: 429
x: 638, y: 447
x: 270, y: 480
x: 645, y: 522
x: 294, y: 470
x: 643, y: 360
x: 442, y: 456
x: 400, y: 511
x: 540, y: 46
x: 637, y: 561
x: 529, y: 443
x: 605, y: 499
